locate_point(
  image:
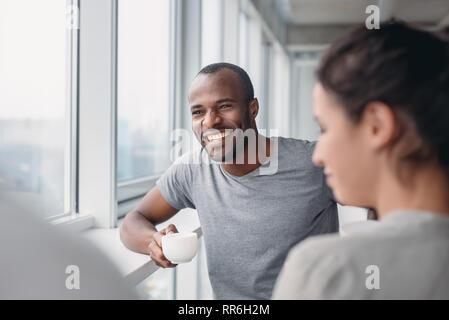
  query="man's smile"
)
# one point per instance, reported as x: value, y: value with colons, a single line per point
x: 219, y: 135
x: 215, y: 135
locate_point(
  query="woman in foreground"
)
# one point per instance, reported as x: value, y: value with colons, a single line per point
x: 382, y: 102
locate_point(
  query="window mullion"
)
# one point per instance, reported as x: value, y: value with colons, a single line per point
x: 98, y: 111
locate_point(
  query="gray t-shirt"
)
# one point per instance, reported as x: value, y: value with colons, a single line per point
x: 251, y: 222
x: 405, y: 256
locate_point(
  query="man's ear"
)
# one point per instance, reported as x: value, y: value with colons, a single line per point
x: 253, y: 108
x: 380, y: 123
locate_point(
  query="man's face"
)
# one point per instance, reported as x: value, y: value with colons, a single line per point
x: 218, y: 107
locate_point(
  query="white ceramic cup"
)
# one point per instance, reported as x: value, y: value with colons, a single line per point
x: 179, y: 247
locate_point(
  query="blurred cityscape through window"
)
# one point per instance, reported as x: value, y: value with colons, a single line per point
x: 143, y: 88
x: 33, y: 108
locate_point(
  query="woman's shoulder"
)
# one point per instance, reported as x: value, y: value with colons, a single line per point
x: 405, y: 255
x: 328, y: 267
x: 322, y: 247
x: 344, y: 248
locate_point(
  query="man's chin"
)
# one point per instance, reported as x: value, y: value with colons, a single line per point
x: 218, y: 156
x: 221, y: 158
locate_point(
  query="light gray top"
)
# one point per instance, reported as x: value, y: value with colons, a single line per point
x: 406, y: 256
x: 40, y: 261
x: 251, y: 222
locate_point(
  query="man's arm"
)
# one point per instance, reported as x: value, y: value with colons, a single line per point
x: 138, y: 232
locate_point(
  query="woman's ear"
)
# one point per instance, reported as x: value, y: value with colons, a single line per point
x: 380, y: 123
x: 253, y: 108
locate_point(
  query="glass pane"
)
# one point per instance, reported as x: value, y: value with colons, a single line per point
x: 210, y: 32
x: 33, y: 103
x: 143, y: 88
x: 263, y: 117
x: 243, y: 40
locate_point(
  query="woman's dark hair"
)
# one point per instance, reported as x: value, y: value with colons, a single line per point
x: 405, y: 68
x: 443, y: 33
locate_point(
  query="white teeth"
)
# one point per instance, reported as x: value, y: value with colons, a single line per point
x: 218, y: 136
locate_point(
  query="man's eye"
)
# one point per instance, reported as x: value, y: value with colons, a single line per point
x: 196, y: 112
x: 225, y: 106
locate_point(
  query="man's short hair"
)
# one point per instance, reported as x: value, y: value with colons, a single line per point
x: 243, y: 76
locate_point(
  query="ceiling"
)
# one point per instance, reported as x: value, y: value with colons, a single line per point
x: 313, y: 24
x: 345, y: 12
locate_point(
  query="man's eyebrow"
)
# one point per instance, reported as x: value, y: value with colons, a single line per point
x: 225, y: 100
x: 197, y: 106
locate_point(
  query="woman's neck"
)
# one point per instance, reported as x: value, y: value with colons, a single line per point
x: 426, y: 189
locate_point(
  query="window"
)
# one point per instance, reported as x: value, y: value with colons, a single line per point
x: 266, y: 85
x: 211, y: 33
x: 143, y: 136
x: 280, y: 110
x: 305, y: 126
x: 34, y: 113
x: 243, y: 40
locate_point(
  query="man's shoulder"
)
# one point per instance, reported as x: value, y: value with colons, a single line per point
x: 293, y: 145
x: 296, y: 153
x: 296, y: 142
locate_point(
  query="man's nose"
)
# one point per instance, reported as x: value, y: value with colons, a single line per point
x: 211, y: 119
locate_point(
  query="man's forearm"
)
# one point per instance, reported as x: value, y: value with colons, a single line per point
x: 136, y: 232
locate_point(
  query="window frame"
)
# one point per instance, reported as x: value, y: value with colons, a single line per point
x: 111, y: 200
x: 185, y: 59
x: 73, y: 112
x: 97, y: 116
x: 103, y: 205
x: 71, y: 121
x: 130, y: 191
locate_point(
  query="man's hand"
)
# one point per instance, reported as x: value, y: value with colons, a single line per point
x: 155, y: 247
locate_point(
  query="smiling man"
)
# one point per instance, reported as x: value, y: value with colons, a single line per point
x: 256, y: 197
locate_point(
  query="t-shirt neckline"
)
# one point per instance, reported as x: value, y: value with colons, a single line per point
x: 255, y: 172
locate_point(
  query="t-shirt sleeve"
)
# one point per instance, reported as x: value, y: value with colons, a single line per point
x: 175, y: 185
x: 329, y: 191
x: 310, y: 146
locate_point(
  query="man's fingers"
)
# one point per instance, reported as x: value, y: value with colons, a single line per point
x: 168, y: 264
x: 171, y: 229
x: 164, y: 263
x: 156, y: 252
x: 157, y: 238
x: 158, y: 257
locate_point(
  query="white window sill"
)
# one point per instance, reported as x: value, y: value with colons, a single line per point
x: 136, y: 267
x: 75, y: 223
